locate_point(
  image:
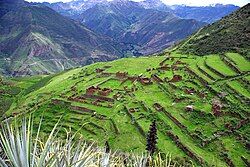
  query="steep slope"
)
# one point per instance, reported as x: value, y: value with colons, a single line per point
x: 200, y: 104
x: 229, y: 34
x: 147, y: 26
x: 207, y: 14
x: 156, y: 31
x: 146, y: 30
x: 8, y: 5
x: 36, y: 39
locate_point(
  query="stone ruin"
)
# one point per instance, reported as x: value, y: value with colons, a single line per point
x: 83, y: 109
x: 190, y: 91
x: 164, y: 68
x: 240, y: 124
x: 106, y: 74
x: 179, y: 99
x: 176, y: 78
x: 202, y: 94
x: 216, y: 107
x: 178, y: 62
x: 133, y: 110
x: 184, y: 148
x: 99, y: 70
x: 145, y: 81
x: 121, y: 75
x: 92, y: 90
x: 156, y: 78
x: 189, y: 108
x: 118, y: 96
x: 102, y: 92
x: 158, y: 107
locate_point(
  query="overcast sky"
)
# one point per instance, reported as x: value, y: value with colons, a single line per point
x: 173, y: 2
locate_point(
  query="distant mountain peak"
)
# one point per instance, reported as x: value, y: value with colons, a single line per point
x: 39, y: 40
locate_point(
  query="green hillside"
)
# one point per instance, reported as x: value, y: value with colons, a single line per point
x: 201, y: 105
x: 228, y: 34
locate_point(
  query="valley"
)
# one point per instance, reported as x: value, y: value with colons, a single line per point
x: 201, y: 105
x: 47, y: 38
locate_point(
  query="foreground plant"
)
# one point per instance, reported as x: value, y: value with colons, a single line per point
x: 21, y: 147
x: 152, y: 139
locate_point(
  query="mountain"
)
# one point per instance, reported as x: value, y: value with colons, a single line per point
x: 73, y: 8
x: 228, y: 34
x: 200, y: 103
x: 146, y: 27
x: 8, y: 5
x: 36, y: 39
x: 207, y: 14
x: 146, y: 30
x: 155, y: 4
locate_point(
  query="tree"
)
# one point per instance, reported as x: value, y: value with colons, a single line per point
x: 152, y: 138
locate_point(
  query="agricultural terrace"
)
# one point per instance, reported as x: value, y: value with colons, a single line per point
x: 201, y: 105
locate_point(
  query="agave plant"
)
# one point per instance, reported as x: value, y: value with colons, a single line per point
x: 21, y: 147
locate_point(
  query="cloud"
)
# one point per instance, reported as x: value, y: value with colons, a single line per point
x: 179, y: 2
x: 206, y: 2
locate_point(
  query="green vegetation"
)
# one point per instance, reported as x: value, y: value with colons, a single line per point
x: 215, y: 63
x: 21, y: 146
x: 239, y: 88
x: 239, y: 61
x: 192, y: 99
x: 225, y: 35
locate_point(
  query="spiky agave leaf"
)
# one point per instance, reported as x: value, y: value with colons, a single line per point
x: 26, y: 150
x: 159, y: 162
x: 21, y: 148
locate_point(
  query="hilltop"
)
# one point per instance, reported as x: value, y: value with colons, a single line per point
x: 35, y: 39
x: 228, y: 34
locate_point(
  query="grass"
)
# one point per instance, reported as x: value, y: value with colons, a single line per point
x: 195, y: 69
x: 236, y: 149
x: 238, y: 87
x: 201, y: 64
x: 22, y: 146
x: 239, y: 61
x: 215, y: 62
x: 119, y: 127
x: 135, y: 66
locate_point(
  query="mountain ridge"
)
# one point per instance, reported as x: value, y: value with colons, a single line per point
x: 217, y: 11
x: 231, y: 33
x: 44, y: 35
x: 147, y: 30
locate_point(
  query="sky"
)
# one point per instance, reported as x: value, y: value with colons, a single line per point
x: 179, y: 2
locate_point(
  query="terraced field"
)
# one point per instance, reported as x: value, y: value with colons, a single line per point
x: 201, y: 105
